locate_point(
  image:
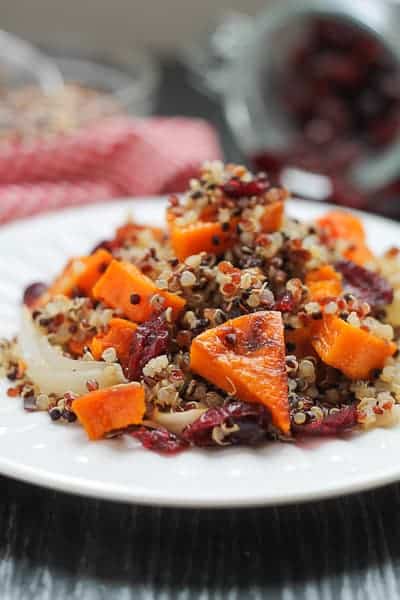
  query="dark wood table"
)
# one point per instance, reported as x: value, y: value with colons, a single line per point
x: 55, y: 546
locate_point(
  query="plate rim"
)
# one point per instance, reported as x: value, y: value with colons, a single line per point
x: 121, y: 493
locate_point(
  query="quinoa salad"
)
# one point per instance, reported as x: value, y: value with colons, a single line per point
x: 234, y: 325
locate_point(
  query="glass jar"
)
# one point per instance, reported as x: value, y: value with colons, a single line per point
x: 311, y: 91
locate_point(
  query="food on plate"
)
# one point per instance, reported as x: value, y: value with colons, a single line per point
x: 236, y: 325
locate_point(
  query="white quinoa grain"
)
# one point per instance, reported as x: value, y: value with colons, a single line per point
x: 317, y: 412
x: 382, y: 330
x: 42, y: 401
x: 167, y: 394
x: 299, y: 418
x: 266, y: 297
x: 331, y: 308
x: 253, y: 300
x: 245, y: 281
x: 246, y: 238
x: 187, y: 279
x: 353, y: 320
x: 155, y: 365
x: 191, y: 319
x: 162, y: 284
x: 194, y: 261
x: 312, y: 307
x: 307, y: 370
x: 109, y: 355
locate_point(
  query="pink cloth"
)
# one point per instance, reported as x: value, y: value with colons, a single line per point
x: 117, y: 157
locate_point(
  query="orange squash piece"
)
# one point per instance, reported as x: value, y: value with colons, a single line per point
x: 246, y: 357
x: 94, y: 267
x: 208, y: 234
x: 122, y: 281
x: 324, y: 282
x: 301, y: 339
x: 273, y: 216
x: 119, y: 336
x: 80, y: 274
x: 200, y: 237
x: 359, y: 254
x: 76, y: 347
x: 342, y: 225
x: 352, y: 350
x: 110, y: 408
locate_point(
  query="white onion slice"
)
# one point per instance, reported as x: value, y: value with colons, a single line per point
x: 54, y: 373
x: 176, y: 422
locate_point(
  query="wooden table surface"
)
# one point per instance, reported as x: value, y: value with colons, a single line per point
x: 55, y: 546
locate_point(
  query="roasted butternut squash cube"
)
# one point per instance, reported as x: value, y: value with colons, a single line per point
x: 125, y: 287
x: 246, y: 358
x: 119, y: 336
x: 324, y: 283
x: 110, y: 408
x: 343, y: 225
x: 202, y: 236
x: 273, y: 217
x: 355, y: 352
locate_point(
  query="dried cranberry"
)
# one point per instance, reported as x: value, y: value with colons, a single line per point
x: 285, y: 303
x: 250, y: 433
x: 33, y: 292
x: 366, y: 285
x: 332, y: 424
x: 236, y: 189
x: 159, y: 440
x: 253, y: 422
x: 149, y: 341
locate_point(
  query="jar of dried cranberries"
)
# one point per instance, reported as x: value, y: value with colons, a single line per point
x: 312, y: 92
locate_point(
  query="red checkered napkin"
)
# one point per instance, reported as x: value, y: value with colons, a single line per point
x: 117, y: 157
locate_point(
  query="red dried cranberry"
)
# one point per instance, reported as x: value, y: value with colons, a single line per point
x: 366, y: 285
x: 343, y: 420
x: 33, y: 292
x: 236, y: 189
x: 285, y: 303
x: 149, y: 341
x: 253, y: 422
x: 159, y: 440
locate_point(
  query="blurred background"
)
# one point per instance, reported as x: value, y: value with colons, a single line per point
x: 100, y: 24
x: 306, y: 90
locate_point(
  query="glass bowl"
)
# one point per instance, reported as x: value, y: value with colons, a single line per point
x: 131, y: 78
x: 21, y: 64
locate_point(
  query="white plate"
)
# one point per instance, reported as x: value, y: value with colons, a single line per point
x: 35, y: 450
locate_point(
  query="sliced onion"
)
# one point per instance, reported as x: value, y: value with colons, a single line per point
x: 54, y: 373
x: 177, y: 421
